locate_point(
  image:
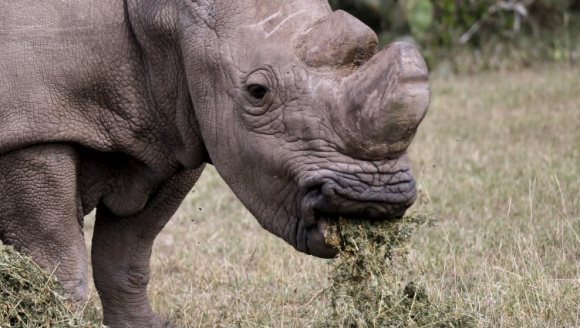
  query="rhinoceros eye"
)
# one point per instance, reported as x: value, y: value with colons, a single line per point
x: 258, y: 91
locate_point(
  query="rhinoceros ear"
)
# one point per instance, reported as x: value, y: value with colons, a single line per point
x: 338, y: 40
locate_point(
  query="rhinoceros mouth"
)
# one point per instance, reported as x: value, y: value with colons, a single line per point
x: 323, y: 206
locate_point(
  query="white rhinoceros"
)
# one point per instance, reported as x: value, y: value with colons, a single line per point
x: 118, y: 105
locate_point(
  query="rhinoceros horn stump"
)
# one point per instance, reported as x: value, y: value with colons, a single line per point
x: 118, y: 105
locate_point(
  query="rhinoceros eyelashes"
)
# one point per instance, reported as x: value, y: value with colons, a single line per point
x: 257, y: 91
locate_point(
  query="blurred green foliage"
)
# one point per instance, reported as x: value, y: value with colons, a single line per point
x: 523, y: 30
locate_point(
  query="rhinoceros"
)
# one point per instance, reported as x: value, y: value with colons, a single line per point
x: 117, y: 105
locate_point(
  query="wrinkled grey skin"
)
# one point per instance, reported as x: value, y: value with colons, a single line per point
x: 118, y: 105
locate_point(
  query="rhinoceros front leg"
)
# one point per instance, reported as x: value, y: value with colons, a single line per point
x: 41, y: 214
x: 121, y: 252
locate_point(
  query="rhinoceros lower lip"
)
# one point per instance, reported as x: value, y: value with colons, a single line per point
x: 317, y: 243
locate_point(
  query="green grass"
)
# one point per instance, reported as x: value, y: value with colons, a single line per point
x: 498, y: 156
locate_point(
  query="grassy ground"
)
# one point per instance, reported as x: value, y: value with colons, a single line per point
x: 499, y: 158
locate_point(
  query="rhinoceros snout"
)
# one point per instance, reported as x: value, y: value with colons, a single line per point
x: 375, y: 196
x: 351, y: 198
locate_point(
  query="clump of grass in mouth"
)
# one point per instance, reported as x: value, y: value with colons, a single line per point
x: 30, y: 297
x: 368, y: 289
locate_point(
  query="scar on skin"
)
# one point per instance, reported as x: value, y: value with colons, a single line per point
x: 263, y: 23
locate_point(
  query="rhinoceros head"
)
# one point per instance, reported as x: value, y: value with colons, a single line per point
x: 301, y: 115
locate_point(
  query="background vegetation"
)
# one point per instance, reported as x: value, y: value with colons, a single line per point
x: 471, y: 35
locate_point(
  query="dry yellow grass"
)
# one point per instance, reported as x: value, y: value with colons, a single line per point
x: 31, y: 297
x: 499, y: 158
